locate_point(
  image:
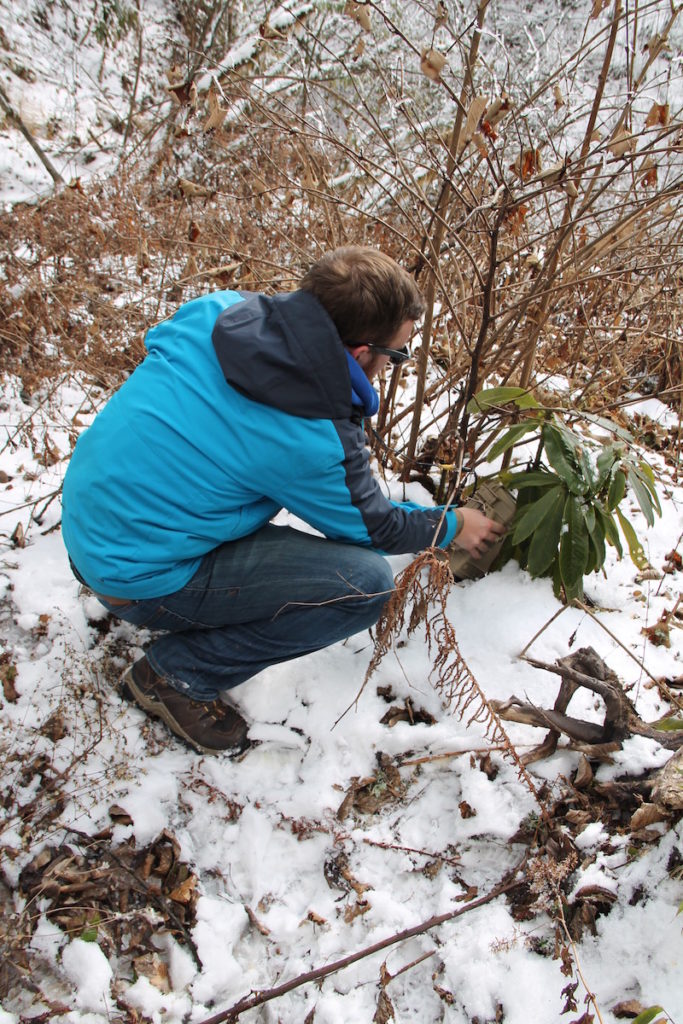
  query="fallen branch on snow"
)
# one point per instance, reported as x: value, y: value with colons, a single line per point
x: 584, y: 668
x: 266, y: 995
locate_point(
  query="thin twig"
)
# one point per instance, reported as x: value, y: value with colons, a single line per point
x: 413, y: 963
x: 659, y: 683
x: 455, y: 861
x: 266, y: 995
x: 543, y: 629
x: 450, y: 753
x: 589, y: 995
x: 40, y: 153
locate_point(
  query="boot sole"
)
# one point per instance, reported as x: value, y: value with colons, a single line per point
x: 158, y: 709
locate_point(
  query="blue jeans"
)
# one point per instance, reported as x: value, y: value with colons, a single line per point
x: 269, y: 597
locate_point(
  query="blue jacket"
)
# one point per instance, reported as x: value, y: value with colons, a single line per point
x: 243, y: 406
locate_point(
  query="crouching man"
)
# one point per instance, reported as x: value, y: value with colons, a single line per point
x: 244, y: 405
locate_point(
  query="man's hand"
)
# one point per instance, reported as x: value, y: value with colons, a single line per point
x: 477, y: 531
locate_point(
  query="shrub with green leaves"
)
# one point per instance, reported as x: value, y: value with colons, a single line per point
x: 569, y: 496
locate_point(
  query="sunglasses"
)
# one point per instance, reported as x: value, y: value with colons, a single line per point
x: 396, y: 355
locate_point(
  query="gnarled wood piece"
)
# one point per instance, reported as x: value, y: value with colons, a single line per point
x: 584, y: 668
x: 668, y: 788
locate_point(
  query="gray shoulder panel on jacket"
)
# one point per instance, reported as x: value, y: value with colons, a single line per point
x: 390, y: 527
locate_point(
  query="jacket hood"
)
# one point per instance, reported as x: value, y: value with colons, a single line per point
x: 284, y: 351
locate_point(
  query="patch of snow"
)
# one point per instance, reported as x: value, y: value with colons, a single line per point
x: 89, y: 971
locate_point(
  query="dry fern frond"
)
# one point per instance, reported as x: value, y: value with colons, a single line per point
x: 420, y: 597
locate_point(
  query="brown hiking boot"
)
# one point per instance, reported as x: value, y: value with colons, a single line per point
x: 211, y: 727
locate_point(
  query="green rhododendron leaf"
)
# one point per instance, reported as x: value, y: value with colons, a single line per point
x: 605, y: 461
x: 559, y: 457
x: 509, y: 438
x: 597, y: 536
x: 635, y: 548
x: 617, y: 489
x: 529, y: 478
x: 644, y: 470
x: 491, y: 398
x: 574, y: 546
x: 647, y: 1015
x: 669, y: 724
x: 545, y: 541
x: 610, y: 528
x: 535, y: 513
x: 643, y: 497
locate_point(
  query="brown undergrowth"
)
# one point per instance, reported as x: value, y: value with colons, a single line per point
x: 120, y: 896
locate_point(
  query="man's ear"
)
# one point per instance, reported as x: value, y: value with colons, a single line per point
x: 357, y: 350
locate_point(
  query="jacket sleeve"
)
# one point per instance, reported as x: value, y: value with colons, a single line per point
x: 339, y: 496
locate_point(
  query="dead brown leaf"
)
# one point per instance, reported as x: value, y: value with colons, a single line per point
x: 659, y: 633
x: 152, y: 967
x: 191, y: 189
x: 8, y: 674
x: 360, y: 13
x: 385, y: 1008
x: 190, y: 269
x: 528, y: 164
x: 144, y: 261
x: 584, y: 773
x: 120, y: 815
x: 370, y: 795
x: 578, y: 817
x: 184, y: 93
x: 354, y: 910
x: 673, y: 562
x: 475, y: 113
x: 497, y: 111
x: 217, y: 114
x: 595, y: 894
x: 621, y: 143
x: 648, y: 173
x: 488, y: 131
x: 432, y: 868
x: 479, y: 142
x: 659, y: 115
x: 407, y: 713
x: 432, y: 63
x: 628, y: 1009
x: 487, y: 766
x: 515, y: 219
x: 54, y: 727
x: 315, y: 918
x: 185, y: 891
x: 554, y: 174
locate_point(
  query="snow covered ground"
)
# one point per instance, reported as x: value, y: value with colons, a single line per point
x: 287, y: 884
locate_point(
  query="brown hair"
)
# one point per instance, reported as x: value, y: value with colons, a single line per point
x: 367, y: 295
